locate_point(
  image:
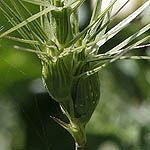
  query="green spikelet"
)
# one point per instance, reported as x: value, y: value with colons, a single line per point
x: 62, y: 26
x: 57, y: 80
x: 86, y: 95
x: 79, y: 95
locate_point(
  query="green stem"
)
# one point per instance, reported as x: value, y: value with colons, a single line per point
x: 79, y: 147
x: 79, y: 135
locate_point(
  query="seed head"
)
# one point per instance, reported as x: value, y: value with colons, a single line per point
x: 70, y: 59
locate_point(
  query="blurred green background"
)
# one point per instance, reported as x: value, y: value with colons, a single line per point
x: 120, y: 122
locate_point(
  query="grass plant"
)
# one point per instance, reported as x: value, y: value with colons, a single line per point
x: 70, y: 59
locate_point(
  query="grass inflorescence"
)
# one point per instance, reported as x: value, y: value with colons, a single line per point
x: 70, y: 59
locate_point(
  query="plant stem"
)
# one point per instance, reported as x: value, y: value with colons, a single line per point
x: 79, y: 147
